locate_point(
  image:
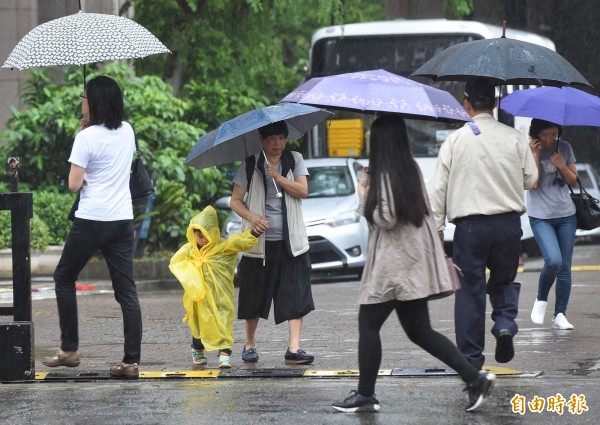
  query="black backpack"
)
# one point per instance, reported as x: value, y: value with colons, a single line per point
x: 251, y: 163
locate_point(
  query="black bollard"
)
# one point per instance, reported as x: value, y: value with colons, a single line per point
x: 16, y: 337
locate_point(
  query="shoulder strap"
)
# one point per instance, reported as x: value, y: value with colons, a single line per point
x: 137, y: 147
x: 250, y: 164
x: 289, y: 155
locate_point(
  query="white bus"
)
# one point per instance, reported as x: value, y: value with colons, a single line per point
x: 398, y: 46
x: 401, y: 46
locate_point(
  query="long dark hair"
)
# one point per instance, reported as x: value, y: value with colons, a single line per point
x: 390, y: 158
x: 105, y: 102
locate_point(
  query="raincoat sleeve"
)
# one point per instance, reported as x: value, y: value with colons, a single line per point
x: 187, y: 273
x: 239, y: 242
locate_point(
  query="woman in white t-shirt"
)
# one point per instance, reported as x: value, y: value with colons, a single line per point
x: 100, y: 166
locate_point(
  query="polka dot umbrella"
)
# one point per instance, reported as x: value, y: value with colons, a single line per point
x: 83, y: 38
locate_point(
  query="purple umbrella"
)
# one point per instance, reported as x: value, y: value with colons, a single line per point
x: 564, y: 106
x: 379, y: 91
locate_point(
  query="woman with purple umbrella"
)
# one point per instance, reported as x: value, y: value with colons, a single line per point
x: 552, y: 217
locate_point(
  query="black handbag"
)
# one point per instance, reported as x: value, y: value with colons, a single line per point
x: 140, y: 183
x: 587, y: 208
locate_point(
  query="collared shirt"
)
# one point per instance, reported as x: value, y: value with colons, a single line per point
x: 482, y: 169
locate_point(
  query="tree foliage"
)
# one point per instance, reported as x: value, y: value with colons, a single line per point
x: 228, y: 57
x: 459, y: 8
x: 261, y: 45
x: 42, y: 135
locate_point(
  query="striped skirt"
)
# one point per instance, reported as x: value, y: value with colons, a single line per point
x: 284, y: 280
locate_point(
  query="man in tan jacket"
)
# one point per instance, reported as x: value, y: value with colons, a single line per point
x: 478, y: 183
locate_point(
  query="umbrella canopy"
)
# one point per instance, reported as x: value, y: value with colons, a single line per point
x: 83, y: 38
x: 238, y: 138
x: 507, y: 60
x: 564, y: 106
x: 379, y: 91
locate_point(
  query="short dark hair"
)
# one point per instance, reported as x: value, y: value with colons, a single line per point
x: 481, y: 92
x: 538, y: 125
x: 275, y: 128
x: 105, y: 102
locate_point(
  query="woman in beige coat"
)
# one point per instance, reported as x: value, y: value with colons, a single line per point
x: 405, y: 267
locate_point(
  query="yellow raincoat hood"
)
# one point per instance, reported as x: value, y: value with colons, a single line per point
x: 206, y: 275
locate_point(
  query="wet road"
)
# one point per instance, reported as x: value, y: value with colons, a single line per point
x: 553, y: 362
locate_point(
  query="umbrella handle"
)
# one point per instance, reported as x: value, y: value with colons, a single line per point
x: 278, y: 195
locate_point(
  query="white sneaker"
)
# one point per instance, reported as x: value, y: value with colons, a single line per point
x: 561, y: 322
x: 538, y: 312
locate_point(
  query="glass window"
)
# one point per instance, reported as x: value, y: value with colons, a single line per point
x: 329, y: 181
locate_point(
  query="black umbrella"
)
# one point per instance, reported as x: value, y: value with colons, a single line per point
x: 507, y: 60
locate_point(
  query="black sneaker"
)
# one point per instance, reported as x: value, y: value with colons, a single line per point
x: 250, y: 355
x: 480, y: 390
x: 299, y: 357
x: 505, y: 351
x: 357, y: 403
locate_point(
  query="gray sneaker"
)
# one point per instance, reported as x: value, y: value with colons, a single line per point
x: 357, y: 403
x: 480, y: 390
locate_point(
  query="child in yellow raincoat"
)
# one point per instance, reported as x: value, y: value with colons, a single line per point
x: 205, y: 267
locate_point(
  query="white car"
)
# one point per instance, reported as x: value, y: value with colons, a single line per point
x: 337, y: 234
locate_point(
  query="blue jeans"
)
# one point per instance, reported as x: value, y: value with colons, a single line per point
x: 114, y: 239
x: 555, y: 237
x: 480, y: 242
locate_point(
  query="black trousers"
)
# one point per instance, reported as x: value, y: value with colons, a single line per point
x: 486, y: 242
x: 115, y: 240
x: 282, y: 279
x: 414, y: 318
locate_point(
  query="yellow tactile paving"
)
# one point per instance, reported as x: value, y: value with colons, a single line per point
x: 499, y: 370
x: 41, y: 375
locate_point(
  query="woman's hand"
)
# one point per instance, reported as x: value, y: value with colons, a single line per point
x: 363, y: 181
x: 259, y: 224
x: 535, y: 144
x: 84, y: 122
x: 557, y: 159
x: 272, y: 172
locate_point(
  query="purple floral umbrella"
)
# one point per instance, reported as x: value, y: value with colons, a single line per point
x: 379, y: 91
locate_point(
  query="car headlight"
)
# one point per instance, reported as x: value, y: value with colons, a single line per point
x: 343, y: 219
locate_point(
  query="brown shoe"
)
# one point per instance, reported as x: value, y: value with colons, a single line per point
x: 62, y: 358
x: 125, y: 370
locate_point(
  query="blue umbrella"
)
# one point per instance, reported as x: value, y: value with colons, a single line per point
x: 238, y: 138
x: 564, y: 106
x: 380, y: 91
